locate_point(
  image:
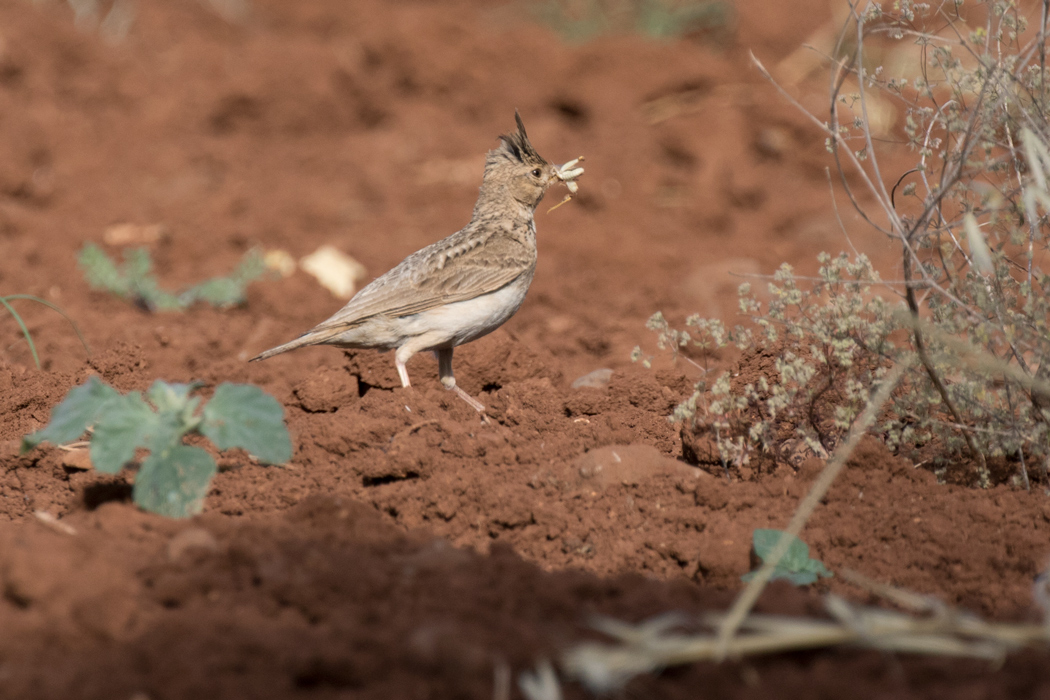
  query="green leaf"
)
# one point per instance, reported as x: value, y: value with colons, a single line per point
x: 242, y: 415
x: 170, y: 397
x: 799, y: 578
x: 174, y: 482
x: 134, y: 280
x: 817, y: 567
x: 764, y: 541
x: 124, y: 424
x: 221, y: 292
x: 71, y: 417
x: 138, y: 266
x: 795, y: 566
x: 101, y: 272
x: 143, y: 285
x: 224, y: 292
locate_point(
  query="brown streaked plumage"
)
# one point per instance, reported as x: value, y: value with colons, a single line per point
x: 462, y: 287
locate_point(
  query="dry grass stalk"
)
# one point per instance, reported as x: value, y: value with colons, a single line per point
x: 655, y: 644
x: 820, y: 487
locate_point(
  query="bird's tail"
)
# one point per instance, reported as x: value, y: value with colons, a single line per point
x: 317, y: 336
x: 299, y: 342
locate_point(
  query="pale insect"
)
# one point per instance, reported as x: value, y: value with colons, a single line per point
x: 568, y: 173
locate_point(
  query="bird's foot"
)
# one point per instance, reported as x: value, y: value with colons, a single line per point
x: 450, y: 384
x: 474, y: 403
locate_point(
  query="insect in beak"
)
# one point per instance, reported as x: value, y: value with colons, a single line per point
x: 568, y: 173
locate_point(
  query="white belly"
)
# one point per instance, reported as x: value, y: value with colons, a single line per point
x: 441, y: 327
x: 464, y: 321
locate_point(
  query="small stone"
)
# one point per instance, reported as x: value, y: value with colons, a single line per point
x: 336, y: 271
x: 280, y: 261
x: 79, y: 460
x: 598, y: 379
x: 126, y: 234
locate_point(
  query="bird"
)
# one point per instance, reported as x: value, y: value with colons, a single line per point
x: 462, y: 287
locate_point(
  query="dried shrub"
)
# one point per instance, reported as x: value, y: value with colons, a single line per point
x: 970, y: 313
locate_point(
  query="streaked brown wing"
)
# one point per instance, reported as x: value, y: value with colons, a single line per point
x: 402, y: 293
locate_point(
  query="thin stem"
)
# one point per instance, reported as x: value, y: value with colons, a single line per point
x: 25, y: 331
x: 838, y: 217
x: 920, y: 348
x: 872, y: 158
x: 57, y: 309
x: 746, y: 600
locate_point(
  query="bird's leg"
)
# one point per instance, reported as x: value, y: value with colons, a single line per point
x: 444, y: 356
x: 400, y: 359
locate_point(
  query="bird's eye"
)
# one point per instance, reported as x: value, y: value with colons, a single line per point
x: 536, y: 172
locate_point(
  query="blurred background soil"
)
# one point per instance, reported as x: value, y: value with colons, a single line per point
x: 409, y: 549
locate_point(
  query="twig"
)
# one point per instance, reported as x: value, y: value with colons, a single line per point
x: 873, y: 159
x: 976, y: 358
x: 833, y: 135
x: 746, y: 600
x: 838, y: 217
x: 920, y: 349
x: 654, y: 644
x: 74, y: 446
x: 54, y: 523
x: 914, y: 602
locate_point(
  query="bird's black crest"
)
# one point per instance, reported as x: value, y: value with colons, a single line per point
x: 517, y: 145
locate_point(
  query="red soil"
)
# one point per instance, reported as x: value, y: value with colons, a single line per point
x: 410, y: 549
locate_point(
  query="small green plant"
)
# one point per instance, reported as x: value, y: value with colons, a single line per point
x: 795, y: 566
x: 174, y: 478
x: 584, y: 20
x: 134, y: 280
x: 6, y: 303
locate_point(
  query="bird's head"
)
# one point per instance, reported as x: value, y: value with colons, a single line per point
x: 514, y: 169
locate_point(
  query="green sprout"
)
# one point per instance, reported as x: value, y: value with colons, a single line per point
x: 795, y: 566
x: 134, y: 280
x: 579, y: 22
x: 6, y: 303
x: 174, y: 479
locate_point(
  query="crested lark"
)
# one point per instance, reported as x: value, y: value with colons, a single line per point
x: 460, y: 288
